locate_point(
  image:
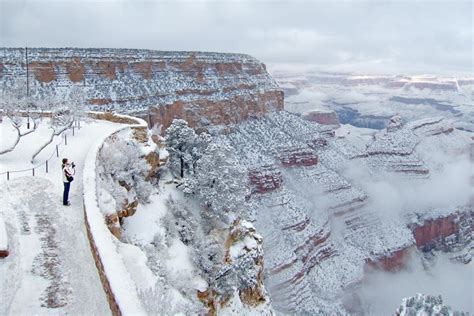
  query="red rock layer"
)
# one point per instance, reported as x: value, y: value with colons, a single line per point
x: 201, y: 112
x: 324, y: 118
x: 204, y: 88
x: 392, y: 262
x: 432, y: 230
x: 265, y: 180
x: 298, y: 157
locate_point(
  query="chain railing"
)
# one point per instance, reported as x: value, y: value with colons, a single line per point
x: 44, y: 165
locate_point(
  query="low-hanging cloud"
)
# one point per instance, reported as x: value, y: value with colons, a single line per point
x: 447, y: 186
x: 382, y: 292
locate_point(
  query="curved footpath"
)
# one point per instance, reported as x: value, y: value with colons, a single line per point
x: 50, y: 269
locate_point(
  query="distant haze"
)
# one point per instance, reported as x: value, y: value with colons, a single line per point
x: 365, y: 36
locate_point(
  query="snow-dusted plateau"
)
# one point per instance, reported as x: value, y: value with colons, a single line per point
x: 217, y: 189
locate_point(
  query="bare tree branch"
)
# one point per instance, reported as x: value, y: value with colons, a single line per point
x: 56, y: 132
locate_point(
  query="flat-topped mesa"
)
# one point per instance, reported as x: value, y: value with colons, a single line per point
x: 202, y: 87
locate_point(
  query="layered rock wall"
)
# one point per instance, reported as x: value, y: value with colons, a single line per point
x: 201, y: 87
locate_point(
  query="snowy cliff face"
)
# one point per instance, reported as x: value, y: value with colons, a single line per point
x: 204, y: 88
x: 320, y: 203
x: 180, y: 263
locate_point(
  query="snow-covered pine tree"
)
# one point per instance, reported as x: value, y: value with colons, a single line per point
x: 185, y: 146
x: 220, y: 181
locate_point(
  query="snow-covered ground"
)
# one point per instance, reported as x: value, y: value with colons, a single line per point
x: 3, y: 235
x: 50, y: 269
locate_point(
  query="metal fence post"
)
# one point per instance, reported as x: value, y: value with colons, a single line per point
x: 8, y: 175
x: 65, y: 139
x: 73, y: 130
x: 46, y: 166
x: 57, y: 151
x: 33, y: 171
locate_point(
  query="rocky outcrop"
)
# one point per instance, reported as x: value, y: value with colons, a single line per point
x: 244, y: 245
x: 298, y: 157
x: 243, y: 264
x: 112, y: 221
x: 395, y: 123
x: 265, y: 179
x: 450, y: 232
x: 202, y: 88
x: 391, y: 262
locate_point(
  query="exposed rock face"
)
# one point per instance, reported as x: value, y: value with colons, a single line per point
x: 112, y: 221
x: 203, y: 88
x: 324, y: 118
x: 449, y: 232
x: 432, y: 230
x: 392, y: 262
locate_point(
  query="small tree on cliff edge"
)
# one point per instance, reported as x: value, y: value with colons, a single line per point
x: 184, y: 145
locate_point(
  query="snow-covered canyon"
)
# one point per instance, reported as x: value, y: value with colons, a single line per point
x: 247, y: 208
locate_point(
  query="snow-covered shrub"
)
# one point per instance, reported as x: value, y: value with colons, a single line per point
x: 225, y: 282
x: 123, y: 171
x: 246, y: 270
x: 183, y: 221
x: 209, y: 254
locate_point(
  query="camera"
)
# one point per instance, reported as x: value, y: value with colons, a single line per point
x: 73, y: 165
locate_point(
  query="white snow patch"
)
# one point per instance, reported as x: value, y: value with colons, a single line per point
x: 145, y: 223
x: 3, y: 235
x: 180, y: 266
x: 136, y: 262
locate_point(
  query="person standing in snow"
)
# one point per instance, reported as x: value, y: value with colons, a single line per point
x: 68, y: 173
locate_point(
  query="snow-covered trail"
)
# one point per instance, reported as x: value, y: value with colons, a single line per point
x: 50, y: 269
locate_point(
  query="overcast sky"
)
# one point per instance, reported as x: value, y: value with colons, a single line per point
x: 365, y: 36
